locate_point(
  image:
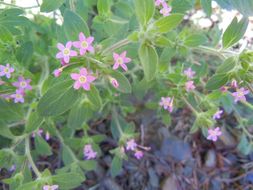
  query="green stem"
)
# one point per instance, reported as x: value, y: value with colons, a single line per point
x: 12, y: 5
x: 210, y: 51
x: 190, y: 106
x: 29, y: 157
x: 116, y: 46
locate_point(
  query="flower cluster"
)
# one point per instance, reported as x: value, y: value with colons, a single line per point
x: 213, y: 134
x: 88, y: 152
x: 133, y: 146
x: 21, y: 85
x: 189, y: 85
x: 167, y: 103
x: 84, y: 78
x: 166, y: 9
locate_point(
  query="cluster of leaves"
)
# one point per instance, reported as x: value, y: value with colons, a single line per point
x: 160, y: 49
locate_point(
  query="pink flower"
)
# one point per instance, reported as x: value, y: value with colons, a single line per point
x: 89, y: 153
x: 84, y: 44
x: 18, y: 96
x: 189, y: 73
x: 114, y: 82
x: 63, y: 63
x: 83, y: 79
x: 224, y: 89
x: 217, y: 115
x: 214, y: 133
x: 167, y: 103
x: 50, y: 187
x: 23, y: 84
x: 234, y: 84
x: 120, y: 60
x: 131, y: 145
x: 239, y: 95
x: 57, y: 72
x: 65, y: 52
x: 39, y: 132
x: 189, y: 85
x: 159, y: 2
x: 6, y: 70
x: 138, y: 154
x: 47, y: 137
x: 165, y: 11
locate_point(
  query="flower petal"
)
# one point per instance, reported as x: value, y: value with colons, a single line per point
x: 115, y: 66
x: 59, y: 55
x: 81, y: 36
x: 73, y: 53
x: 115, y: 56
x: 60, y: 46
x: 86, y: 86
x: 124, y: 66
x: 90, y: 39
x: 90, y: 78
x: 66, y: 59
x: 83, y: 71
x: 77, y: 85
x: 77, y: 44
x: 69, y: 44
x: 74, y: 76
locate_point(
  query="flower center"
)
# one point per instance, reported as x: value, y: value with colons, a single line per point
x: 84, y: 44
x: 82, y: 79
x: 6, y: 70
x: 120, y: 60
x: 18, y: 96
x: 23, y: 84
x: 66, y: 51
x: 240, y: 94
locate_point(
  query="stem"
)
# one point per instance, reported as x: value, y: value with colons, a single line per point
x: 190, y: 106
x: 29, y: 157
x: 116, y: 46
x: 12, y: 5
x: 211, y: 51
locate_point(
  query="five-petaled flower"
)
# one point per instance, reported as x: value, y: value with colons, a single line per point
x: 83, y: 79
x: 6, y: 70
x: 89, y: 153
x: 239, y: 95
x: 131, y: 145
x: 18, y: 96
x: 217, y: 115
x: 84, y: 44
x: 114, y: 82
x: 167, y: 103
x: 159, y: 2
x: 165, y: 11
x: 214, y: 133
x: 50, y: 187
x: 23, y: 83
x: 120, y: 60
x: 189, y: 85
x: 189, y: 73
x: 65, y: 52
x: 138, y: 154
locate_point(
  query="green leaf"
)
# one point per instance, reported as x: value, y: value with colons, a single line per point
x: 58, y: 99
x: 73, y: 25
x: 34, y: 122
x: 244, y: 145
x: 79, y: 114
x: 104, y: 7
x: 94, y: 97
x: 124, y: 84
x: 217, y: 81
x: 116, y: 166
x: 168, y: 23
x: 149, y: 61
x: 207, y: 6
x: 49, y: 5
x: 24, y: 53
x: 68, y: 180
x: 88, y: 165
x: 234, y: 32
x: 195, y: 40
x: 42, y: 148
x: 6, y: 35
x: 228, y: 65
x: 144, y: 10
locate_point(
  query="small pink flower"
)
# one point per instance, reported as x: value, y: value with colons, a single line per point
x: 65, y: 52
x: 63, y: 63
x: 84, y: 44
x: 83, y: 79
x: 159, y: 2
x: 39, y: 133
x: 120, y: 60
x: 138, y: 154
x: 47, y: 137
x: 189, y: 85
x: 50, y: 187
x: 23, y: 84
x: 189, y: 73
x: 218, y: 114
x: 6, y: 70
x: 234, y: 84
x: 18, y: 96
x: 114, y: 82
x: 165, y: 11
x: 214, y: 133
x: 167, y: 103
x: 224, y: 89
x: 239, y: 95
x: 131, y: 145
x: 89, y: 153
x: 57, y: 72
